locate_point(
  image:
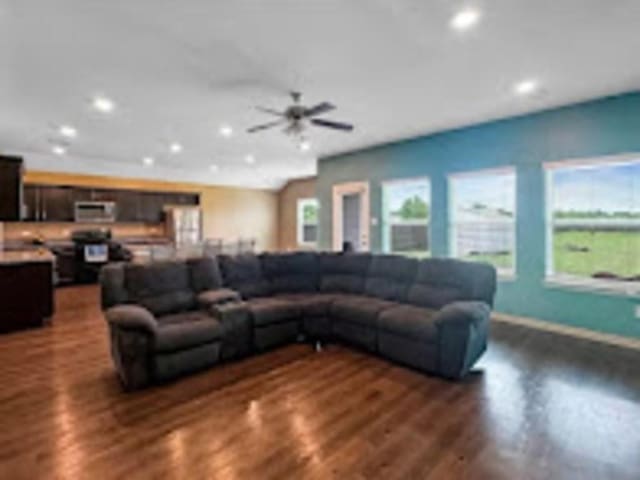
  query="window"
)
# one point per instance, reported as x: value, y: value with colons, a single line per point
x: 406, y: 211
x: 594, y: 222
x: 483, y: 217
x: 308, y: 221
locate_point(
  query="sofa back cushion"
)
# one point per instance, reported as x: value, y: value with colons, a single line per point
x: 162, y: 288
x: 390, y: 276
x: 343, y: 273
x: 291, y: 272
x: 440, y: 281
x: 204, y: 273
x: 243, y: 273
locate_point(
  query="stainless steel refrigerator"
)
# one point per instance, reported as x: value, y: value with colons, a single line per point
x: 184, y: 225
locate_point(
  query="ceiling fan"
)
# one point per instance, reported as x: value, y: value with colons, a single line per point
x: 296, y: 117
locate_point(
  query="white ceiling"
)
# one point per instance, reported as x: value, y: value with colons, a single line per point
x: 179, y: 69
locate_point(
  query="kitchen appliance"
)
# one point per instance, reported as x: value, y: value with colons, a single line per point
x: 92, y: 250
x: 89, y: 212
x: 184, y: 225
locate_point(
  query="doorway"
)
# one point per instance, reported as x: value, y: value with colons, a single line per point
x: 351, y: 215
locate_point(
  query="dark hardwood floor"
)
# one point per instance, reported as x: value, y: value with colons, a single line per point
x: 540, y: 406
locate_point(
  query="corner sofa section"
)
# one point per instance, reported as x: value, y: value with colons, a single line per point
x: 168, y: 319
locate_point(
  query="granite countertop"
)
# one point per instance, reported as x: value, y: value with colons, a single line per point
x: 14, y: 257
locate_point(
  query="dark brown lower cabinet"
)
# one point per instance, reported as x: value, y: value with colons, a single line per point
x: 26, y: 295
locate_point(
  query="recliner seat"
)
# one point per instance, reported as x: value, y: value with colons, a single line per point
x: 171, y: 318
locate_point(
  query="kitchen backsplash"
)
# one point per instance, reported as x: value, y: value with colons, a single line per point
x: 26, y: 231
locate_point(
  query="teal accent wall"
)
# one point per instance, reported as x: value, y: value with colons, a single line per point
x: 607, y: 126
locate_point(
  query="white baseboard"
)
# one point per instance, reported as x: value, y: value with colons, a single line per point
x: 584, y: 333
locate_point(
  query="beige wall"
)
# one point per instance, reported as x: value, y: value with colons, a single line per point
x: 229, y: 213
x: 287, y: 207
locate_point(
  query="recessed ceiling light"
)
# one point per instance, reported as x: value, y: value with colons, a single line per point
x: 305, y: 146
x: 59, y: 149
x: 526, y: 87
x: 465, y: 19
x: 213, y: 168
x: 250, y: 159
x: 226, y: 131
x: 68, y: 131
x: 175, y: 147
x: 103, y: 104
x: 148, y: 161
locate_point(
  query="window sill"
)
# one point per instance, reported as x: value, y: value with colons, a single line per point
x: 308, y: 246
x: 592, y: 285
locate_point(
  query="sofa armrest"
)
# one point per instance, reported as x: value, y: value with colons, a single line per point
x: 237, y: 331
x: 210, y: 298
x: 463, y: 330
x: 131, y: 317
x: 463, y: 314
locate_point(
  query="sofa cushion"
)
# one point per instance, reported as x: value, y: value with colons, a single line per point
x: 291, y: 272
x: 243, y: 273
x: 162, y: 287
x: 186, y: 330
x: 343, y: 273
x: 205, y: 274
x: 408, y: 321
x: 390, y: 276
x: 359, y: 309
x: 452, y: 279
x: 269, y: 311
x: 433, y: 296
x: 313, y: 304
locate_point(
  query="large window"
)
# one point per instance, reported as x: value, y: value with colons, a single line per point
x: 307, y: 222
x: 482, y: 217
x: 594, y: 222
x: 406, y: 209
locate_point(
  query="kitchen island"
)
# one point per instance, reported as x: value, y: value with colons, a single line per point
x: 26, y: 289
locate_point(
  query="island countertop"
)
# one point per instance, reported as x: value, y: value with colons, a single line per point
x: 13, y: 257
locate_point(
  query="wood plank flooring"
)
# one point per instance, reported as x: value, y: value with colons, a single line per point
x: 540, y: 406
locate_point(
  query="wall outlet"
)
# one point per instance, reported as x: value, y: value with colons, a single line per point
x: 638, y: 312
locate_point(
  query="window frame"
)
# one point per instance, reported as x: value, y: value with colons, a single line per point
x: 385, y: 229
x: 300, y: 205
x: 503, y: 273
x: 566, y: 280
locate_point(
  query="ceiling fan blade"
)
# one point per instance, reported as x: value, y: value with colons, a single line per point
x: 330, y: 124
x: 323, y: 107
x: 265, y: 126
x: 270, y: 110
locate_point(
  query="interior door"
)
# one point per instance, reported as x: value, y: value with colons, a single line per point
x: 351, y: 216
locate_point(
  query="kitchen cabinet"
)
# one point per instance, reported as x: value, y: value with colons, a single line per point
x: 56, y: 204
x: 151, y: 205
x: 52, y: 203
x: 30, y: 201
x: 26, y: 290
x: 127, y: 206
x: 10, y: 188
x: 43, y: 203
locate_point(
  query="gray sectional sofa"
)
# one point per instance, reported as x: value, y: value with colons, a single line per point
x: 168, y: 319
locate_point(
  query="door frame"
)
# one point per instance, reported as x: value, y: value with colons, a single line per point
x: 339, y: 191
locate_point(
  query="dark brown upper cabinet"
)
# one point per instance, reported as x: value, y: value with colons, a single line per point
x: 10, y: 188
x: 56, y: 204
x: 46, y: 203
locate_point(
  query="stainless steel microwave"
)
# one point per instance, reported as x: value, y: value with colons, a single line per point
x: 89, y: 212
